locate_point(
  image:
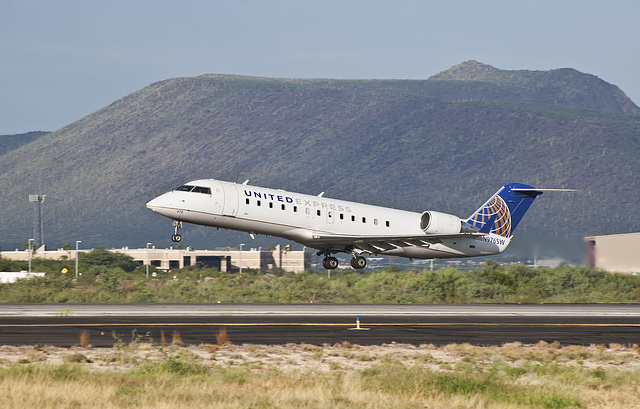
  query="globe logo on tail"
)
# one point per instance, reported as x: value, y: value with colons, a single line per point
x: 497, y: 213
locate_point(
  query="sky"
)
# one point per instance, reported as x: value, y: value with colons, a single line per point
x: 65, y: 59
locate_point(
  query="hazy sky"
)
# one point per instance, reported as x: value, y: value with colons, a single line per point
x: 61, y: 60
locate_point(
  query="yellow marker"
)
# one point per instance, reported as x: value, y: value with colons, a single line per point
x: 358, y: 327
x: 64, y: 271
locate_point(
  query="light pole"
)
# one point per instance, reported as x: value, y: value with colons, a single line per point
x: 148, y: 260
x: 77, y: 242
x: 31, y: 244
x: 241, y: 257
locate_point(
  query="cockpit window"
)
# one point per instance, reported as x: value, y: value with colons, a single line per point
x: 200, y: 189
x: 195, y: 189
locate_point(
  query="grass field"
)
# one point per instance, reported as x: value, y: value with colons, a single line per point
x: 140, y: 374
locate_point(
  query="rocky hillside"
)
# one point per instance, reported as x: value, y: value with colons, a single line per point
x: 445, y: 143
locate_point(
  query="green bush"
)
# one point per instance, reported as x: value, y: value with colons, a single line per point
x: 115, y: 279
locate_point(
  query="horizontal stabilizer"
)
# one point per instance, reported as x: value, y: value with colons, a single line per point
x: 539, y: 191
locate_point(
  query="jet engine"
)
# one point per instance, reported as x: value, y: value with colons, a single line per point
x: 440, y: 223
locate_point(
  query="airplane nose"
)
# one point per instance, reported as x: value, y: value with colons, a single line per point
x: 153, y: 203
x: 157, y: 203
x: 162, y: 205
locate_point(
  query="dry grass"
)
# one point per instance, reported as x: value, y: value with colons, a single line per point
x: 329, y: 376
x: 176, y: 338
x: 84, y: 339
x: 221, y: 337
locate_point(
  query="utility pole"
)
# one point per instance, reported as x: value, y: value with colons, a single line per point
x: 241, y: 257
x: 30, y: 252
x: 77, y: 242
x: 38, y: 199
x: 148, y: 260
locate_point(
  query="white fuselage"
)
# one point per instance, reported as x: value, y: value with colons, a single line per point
x: 310, y: 219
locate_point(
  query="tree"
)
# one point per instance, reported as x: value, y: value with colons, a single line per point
x: 102, y: 257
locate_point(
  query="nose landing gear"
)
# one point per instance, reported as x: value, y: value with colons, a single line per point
x: 177, y: 225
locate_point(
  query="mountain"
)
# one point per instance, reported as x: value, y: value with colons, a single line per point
x: 11, y: 142
x: 446, y: 143
x: 472, y: 80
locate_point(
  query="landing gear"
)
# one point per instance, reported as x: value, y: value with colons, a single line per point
x: 330, y: 263
x: 177, y: 225
x: 358, y: 262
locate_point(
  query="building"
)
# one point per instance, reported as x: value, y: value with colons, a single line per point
x: 228, y: 259
x: 614, y: 252
x: 12, y: 277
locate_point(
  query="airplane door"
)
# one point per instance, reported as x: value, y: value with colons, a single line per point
x: 230, y: 199
x: 217, y: 194
x: 330, y: 216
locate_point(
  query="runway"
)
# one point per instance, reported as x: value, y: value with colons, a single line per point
x: 438, y: 324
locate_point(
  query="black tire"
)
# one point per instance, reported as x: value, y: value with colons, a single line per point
x: 330, y: 263
x: 358, y: 262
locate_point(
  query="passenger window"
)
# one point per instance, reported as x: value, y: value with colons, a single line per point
x: 318, y: 212
x: 270, y: 205
x: 307, y: 210
x: 353, y: 218
x: 295, y: 209
x: 387, y: 223
x: 341, y: 216
x: 364, y: 220
x: 375, y: 222
x: 247, y: 201
x: 258, y: 202
x: 282, y: 207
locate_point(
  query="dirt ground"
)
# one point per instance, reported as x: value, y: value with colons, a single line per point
x: 344, y: 356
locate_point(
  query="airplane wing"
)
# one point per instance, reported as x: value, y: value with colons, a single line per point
x: 377, y: 244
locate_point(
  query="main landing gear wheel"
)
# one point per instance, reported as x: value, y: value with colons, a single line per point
x: 358, y: 262
x: 330, y: 263
x: 177, y: 225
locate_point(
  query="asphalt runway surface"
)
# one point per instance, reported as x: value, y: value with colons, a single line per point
x: 441, y: 324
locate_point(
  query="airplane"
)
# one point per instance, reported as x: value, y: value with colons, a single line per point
x: 336, y: 226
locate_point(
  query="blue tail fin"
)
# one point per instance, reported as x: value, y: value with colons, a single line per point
x: 504, y: 210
